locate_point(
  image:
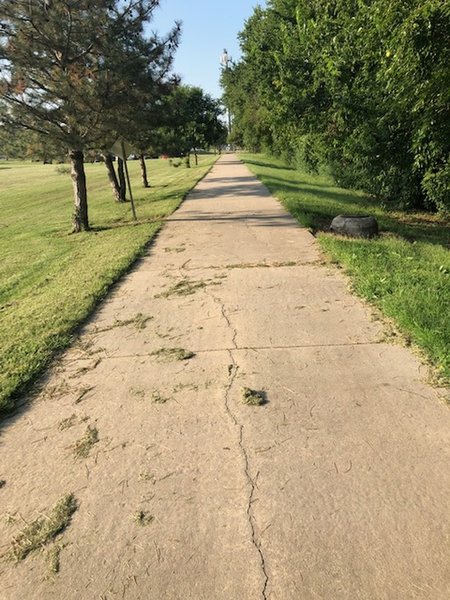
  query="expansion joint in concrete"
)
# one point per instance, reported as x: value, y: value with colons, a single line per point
x: 243, y: 348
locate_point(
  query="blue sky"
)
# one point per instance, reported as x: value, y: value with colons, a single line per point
x: 209, y: 26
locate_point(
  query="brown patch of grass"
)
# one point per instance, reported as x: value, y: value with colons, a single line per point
x: 54, y: 391
x: 287, y: 263
x: 187, y: 287
x: 41, y: 531
x: 10, y: 519
x: 87, y: 346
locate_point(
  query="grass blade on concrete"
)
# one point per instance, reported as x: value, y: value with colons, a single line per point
x: 84, y: 445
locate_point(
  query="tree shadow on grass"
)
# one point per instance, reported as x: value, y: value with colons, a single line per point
x: 317, y: 207
x: 120, y: 224
x: 259, y: 163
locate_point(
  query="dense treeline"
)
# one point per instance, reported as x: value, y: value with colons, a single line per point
x: 76, y: 75
x: 361, y: 86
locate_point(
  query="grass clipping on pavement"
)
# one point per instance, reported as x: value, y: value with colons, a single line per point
x: 172, y: 354
x: 252, y: 397
x: 44, y: 529
x: 84, y: 445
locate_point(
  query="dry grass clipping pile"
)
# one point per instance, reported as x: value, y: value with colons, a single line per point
x: 41, y: 531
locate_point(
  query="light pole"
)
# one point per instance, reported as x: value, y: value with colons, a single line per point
x: 225, y: 61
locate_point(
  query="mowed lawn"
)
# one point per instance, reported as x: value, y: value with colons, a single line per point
x: 50, y: 279
x: 405, y: 272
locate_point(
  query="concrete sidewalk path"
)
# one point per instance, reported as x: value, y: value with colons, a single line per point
x: 337, y: 488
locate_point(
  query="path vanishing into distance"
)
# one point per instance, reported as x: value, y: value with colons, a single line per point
x: 337, y: 488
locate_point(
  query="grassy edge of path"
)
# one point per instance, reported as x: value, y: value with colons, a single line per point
x: 65, y: 290
x: 405, y: 272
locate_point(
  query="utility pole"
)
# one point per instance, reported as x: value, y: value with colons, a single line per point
x: 225, y: 61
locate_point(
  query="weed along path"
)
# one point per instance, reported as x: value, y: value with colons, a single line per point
x: 230, y: 425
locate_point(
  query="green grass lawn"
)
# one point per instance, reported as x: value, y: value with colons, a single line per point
x: 50, y: 280
x: 405, y: 272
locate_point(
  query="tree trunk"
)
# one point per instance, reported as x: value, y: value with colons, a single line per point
x: 143, y: 171
x: 122, y: 181
x: 80, y: 214
x: 112, y: 175
x: 196, y: 157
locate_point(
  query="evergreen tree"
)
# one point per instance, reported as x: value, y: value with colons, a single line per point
x: 69, y: 68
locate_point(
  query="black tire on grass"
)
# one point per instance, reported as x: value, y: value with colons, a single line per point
x: 355, y: 226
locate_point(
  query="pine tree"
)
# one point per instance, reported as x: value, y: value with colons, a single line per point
x: 68, y: 70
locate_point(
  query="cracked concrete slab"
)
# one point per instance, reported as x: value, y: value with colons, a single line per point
x: 336, y: 488
x: 357, y: 471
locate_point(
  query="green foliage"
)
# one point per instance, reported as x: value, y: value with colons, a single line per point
x: 192, y: 122
x: 80, y: 74
x: 77, y: 72
x: 361, y: 87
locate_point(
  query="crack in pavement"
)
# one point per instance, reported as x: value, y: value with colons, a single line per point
x: 221, y: 304
x: 251, y: 482
x: 233, y: 371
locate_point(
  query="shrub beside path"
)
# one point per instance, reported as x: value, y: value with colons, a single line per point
x: 331, y: 484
